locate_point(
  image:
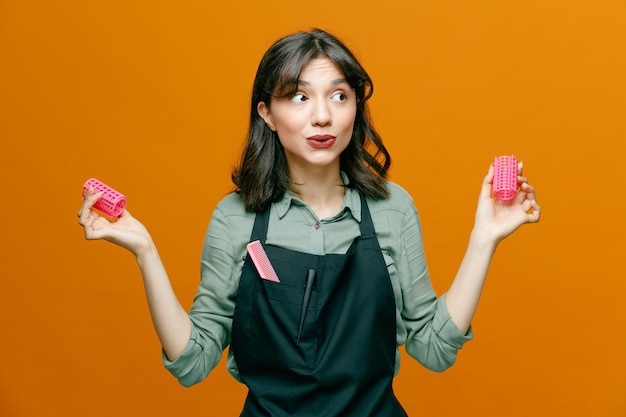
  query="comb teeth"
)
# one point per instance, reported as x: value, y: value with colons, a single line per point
x: 261, y: 261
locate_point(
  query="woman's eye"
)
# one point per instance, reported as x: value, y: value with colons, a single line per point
x: 339, y: 97
x: 298, y: 98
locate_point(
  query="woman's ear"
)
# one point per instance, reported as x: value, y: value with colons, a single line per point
x: 264, y: 112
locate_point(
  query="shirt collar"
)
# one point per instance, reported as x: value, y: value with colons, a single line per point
x: 351, y: 201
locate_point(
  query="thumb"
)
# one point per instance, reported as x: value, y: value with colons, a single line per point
x: 485, y: 191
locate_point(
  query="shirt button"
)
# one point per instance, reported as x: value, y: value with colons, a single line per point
x: 317, y: 225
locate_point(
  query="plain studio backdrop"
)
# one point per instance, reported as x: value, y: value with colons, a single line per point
x: 152, y: 98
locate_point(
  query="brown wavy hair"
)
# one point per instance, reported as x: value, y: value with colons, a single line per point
x: 262, y: 175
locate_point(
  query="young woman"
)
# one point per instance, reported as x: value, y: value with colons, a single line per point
x: 344, y: 242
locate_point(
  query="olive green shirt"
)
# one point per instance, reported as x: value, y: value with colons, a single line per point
x: 422, y: 320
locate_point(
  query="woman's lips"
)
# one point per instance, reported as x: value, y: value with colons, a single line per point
x: 321, y: 141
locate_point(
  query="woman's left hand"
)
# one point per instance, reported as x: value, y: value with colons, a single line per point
x: 497, y: 219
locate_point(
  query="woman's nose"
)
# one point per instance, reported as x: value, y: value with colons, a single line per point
x: 321, y: 113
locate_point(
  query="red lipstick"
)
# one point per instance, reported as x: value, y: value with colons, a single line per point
x: 321, y: 141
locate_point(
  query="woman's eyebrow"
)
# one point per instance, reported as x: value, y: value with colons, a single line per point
x: 333, y: 82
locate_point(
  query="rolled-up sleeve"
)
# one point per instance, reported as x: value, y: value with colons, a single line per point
x: 195, y: 362
x: 213, y: 307
x: 437, y: 343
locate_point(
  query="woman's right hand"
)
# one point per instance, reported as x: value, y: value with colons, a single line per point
x: 126, y: 232
x: 170, y: 320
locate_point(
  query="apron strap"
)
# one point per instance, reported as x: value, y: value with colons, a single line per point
x: 367, y: 225
x: 261, y: 222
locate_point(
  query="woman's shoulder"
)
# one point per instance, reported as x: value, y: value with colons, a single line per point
x: 231, y: 221
x: 232, y: 206
x: 399, y: 199
x: 398, y: 193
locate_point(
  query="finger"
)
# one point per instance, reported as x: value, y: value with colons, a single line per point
x: 92, y: 198
x: 522, y: 196
x: 520, y: 168
x: 485, y: 191
x: 490, y: 173
x: 96, y: 227
x: 87, y: 217
x: 90, y: 191
x: 529, y: 190
x: 125, y: 213
x: 535, y: 214
x: 85, y: 210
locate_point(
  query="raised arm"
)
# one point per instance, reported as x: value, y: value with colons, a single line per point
x: 494, y: 221
x: 170, y: 320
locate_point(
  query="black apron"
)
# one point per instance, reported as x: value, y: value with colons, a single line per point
x: 341, y: 362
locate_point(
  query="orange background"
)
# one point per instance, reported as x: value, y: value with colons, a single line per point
x: 152, y: 98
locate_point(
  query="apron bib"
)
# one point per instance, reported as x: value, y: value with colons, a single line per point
x: 340, y: 360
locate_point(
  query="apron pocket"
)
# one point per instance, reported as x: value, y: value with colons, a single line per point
x: 274, y: 326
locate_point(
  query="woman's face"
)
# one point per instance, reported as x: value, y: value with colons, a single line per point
x: 315, y: 124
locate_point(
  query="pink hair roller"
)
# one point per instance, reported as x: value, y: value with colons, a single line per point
x: 112, y: 202
x: 505, y: 177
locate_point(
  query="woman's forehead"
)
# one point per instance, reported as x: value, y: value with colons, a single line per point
x: 321, y: 67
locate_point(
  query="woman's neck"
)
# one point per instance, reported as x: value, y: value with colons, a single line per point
x: 322, y: 191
